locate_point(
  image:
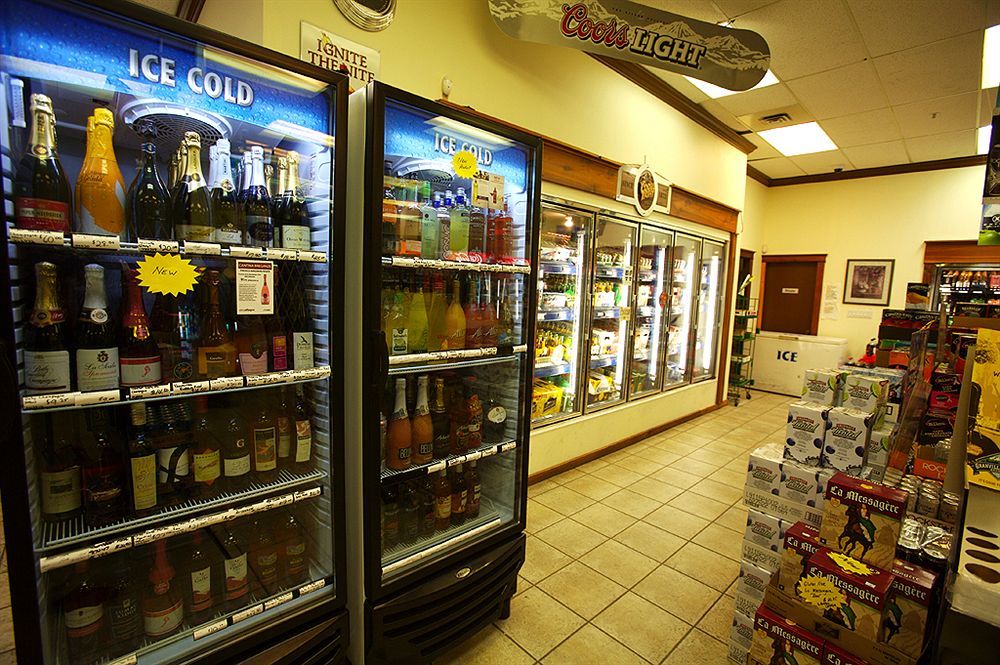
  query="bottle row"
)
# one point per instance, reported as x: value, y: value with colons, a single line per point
x: 418, y: 315
x: 436, y: 225
x: 115, y: 605
x: 109, y: 464
x: 420, y: 508
x: 187, y: 207
x: 186, y: 336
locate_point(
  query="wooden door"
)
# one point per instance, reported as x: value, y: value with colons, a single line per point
x: 791, y: 289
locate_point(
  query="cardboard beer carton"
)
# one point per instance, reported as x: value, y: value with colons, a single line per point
x: 864, y: 393
x: 762, y: 557
x: 779, y: 640
x: 834, y: 655
x: 877, y: 453
x: 742, y: 632
x: 822, y: 480
x: 862, y: 519
x: 737, y: 654
x: 935, y: 426
x: 846, y: 439
x: 798, y: 482
x: 910, y: 598
x: 822, y: 386
x: 764, y: 530
x: 753, y: 580
x: 945, y: 387
x: 843, y: 590
x: 805, y: 431
x: 747, y: 603
x: 764, y: 468
x: 801, y: 542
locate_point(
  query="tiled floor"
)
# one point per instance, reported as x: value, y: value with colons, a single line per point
x: 632, y: 557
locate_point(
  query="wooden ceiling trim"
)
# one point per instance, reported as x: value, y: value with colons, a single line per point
x: 960, y: 251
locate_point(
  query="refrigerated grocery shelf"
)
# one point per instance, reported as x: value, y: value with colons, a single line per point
x: 555, y: 268
x: 607, y: 312
x: 420, y: 362
x: 610, y: 271
x: 542, y: 371
x: 387, y: 475
x: 603, y: 361
x: 556, y: 315
x: 646, y: 312
x: 440, y: 264
x: 76, y: 400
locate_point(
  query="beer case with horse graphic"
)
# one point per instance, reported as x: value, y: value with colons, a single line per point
x: 801, y: 542
x: 910, y: 598
x: 865, y: 592
x: 834, y: 655
x: 862, y: 519
x: 780, y: 640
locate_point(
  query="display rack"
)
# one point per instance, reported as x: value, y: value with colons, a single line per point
x: 741, y: 358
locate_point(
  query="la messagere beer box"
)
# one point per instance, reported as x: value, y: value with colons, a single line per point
x: 864, y: 595
x: 862, y: 519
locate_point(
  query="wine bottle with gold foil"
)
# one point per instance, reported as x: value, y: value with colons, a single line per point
x: 216, y: 352
x: 46, y: 346
x: 42, y: 199
x: 257, y: 203
x: 96, y: 342
x: 192, y: 203
x: 295, y: 231
x: 100, y: 188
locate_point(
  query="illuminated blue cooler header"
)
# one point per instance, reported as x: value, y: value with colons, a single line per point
x: 414, y: 133
x: 78, y: 48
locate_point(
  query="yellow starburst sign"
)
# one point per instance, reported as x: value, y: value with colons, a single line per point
x: 169, y: 274
x: 821, y: 592
x: 851, y: 565
x: 464, y: 163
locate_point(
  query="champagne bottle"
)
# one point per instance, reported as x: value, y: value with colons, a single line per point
x: 179, y: 175
x: 295, y: 230
x: 257, y: 204
x: 46, y: 350
x: 42, y: 199
x: 226, y: 213
x: 441, y: 422
x: 278, y: 199
x: 216, y: 356
x: 162, y: 605
x: 139, y: 356
x: 100, y: 189
x: 142, y: 465
x: 192, y: 204
x: 147, y: 206
x: 97, y: 348
x: 251, y: 345
x: 103, y: 473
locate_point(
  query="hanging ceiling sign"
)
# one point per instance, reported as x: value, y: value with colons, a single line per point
x: 732, y: 59
x: 643, y: 188
x: 989, y: 227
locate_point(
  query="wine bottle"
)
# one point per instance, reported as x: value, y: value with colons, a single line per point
x: 122, y: 606
x: 173, y: 454
x: 204, y: 453
x: 42, y: 199
x: 284, y: 422
x: 84, y: 616
x: 202, y: 587
x: 174, y: 329
x: 295, y: 230
x: 139, y: 356
x: 216, y: 356
x: 235, y: 457
x: 303, y: 435
x: 251, y: 345
x: 162, y: 605
x: 278, y: 199
x: 103, y: 473
x: 277, y: 337
x: 46, y: 350
x: 147, y: 206
x: 257, y: 204
x: 100, y: 188
x: 192, y: 204
x: 236, y: 571
x: 300, y: 333
x: 264, y: 558
x: 294, y: 552
x: 142, y: 465
x: 264, y: 443
x: 97, y: 348
x: 422, y: 426
x: 441, y: 422
x: 60, y: 483
x: 226, y: 213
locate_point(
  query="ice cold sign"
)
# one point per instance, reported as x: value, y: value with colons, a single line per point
x: 157, y: 69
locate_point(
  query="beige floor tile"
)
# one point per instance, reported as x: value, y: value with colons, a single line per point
x: 591, y: 646
x: 659, y: 455
x: 623, y: 565
x: 708, y: 456
x: 676, y: 477
x: 718, y: 621
x: 735, y: 518
x: 694, y: 435
x: 541, y: 560
x: 698, y: 648
x: 7, y: 633
x: 8, y: 658
x: 676, y: 521
x: 699, y: 505
x: 487, y: 647
x: 604, y: 519
x: 705, y: 565
x: 540, y: 516
x: 582, y: 589
x: 693, y: 466
x: 680, y: 447
x: 571, y: 538
x: 593, y: 465
x: 564, y: 500
x: 4, y: 591
x: 719, y: 491
x: 647, y: 629
x: 538, y: 622
x: 637, y: 448
x: 720, y: 540
x: 618, y: 475
x: 647, y: 539
x: 639, y: 465
x: 541, y: 486
x: 567, y: 476
x: 632, y: 503
x: 593, y: 486
x: 678, y: 594
x: 729, y: 477
x: 616, y: 456
x: 739, y: 465
x: 654, y: 489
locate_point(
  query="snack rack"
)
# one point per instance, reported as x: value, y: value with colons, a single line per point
x: 741, y: 359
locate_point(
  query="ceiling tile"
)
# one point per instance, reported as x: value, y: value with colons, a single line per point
x: 806, y: 36
x: 987, y: 102
x: 734, y: 8
x: 895, y: 25
x: 699, y: 9
x: 764, y: 149
x: 877, y: 154
x: 942, y: 146
x: 713, y: 107
x: 756, y: 101
x: 937, y: 116
x: 851, y: 89
x: 992, y: 12
x: 680, y: 84
x: 779, y: 167
x: 822, y: 162
x: 944, y: 68
x: 861, y: 128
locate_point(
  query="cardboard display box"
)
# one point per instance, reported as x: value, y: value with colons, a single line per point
x: 822, y: 386
x: 911, y: 597
x: 846, y: 439
x: 777, y: 639
x: 804, y: 433
x: 774, y: 505
x: 862, y: 519
x: 864, y: 592
x: 801, y: 542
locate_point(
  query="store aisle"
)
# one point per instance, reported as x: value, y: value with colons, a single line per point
x: 632, y: 557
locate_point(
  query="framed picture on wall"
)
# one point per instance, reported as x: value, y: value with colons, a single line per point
x: 868, y: 281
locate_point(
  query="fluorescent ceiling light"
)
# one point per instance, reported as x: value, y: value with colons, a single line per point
x: 715, y: 91
x: 991, y: 57
x: 798, y: 139
x: 983, y: 139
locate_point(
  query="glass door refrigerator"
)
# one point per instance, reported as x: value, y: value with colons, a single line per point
x: 172, y: 485
x: 445, y: 235
x: 650, y: 310
x: 683, y: 299
x: 711, y: 276
x: 563, y: 262
x: 614, y: 243
x: 966, y: 289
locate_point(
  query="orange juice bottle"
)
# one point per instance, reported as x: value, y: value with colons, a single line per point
x: 100, y: 188
x: 422, y: 426
x: 399, y: 439
x: 454, y: 320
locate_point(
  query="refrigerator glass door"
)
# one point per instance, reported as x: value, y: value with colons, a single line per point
x: 652, y: 285
x: 610, y: 312
x: 564, y: 242
x: 457, y: 245
x: 164, y: 523
x: 712, y: 270
x: 686, y: 255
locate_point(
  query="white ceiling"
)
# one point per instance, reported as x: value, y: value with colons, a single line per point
x: 890, y: 81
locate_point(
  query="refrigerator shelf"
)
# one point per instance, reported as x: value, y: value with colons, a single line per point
x: 421, y: 362
x: 646, y: 312
x: 543, y: 371
x: 106, y: 547
x: 555, y: 268
x: 607, y: 312
x: 486, y: 450
x: 177, y: 390
x: 556, y: 315
x: 439, y: 264
x: 611, y: 271
x: 105, y: 244
x: 603, y: 361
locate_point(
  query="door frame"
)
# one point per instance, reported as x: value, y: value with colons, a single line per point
x: 818, y: 259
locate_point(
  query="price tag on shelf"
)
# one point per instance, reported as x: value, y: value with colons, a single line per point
x: 314, y: 257
x: 274, y: 502
x: 129, y: 659
x: 312, y: 586
x: 437, y: 466
x: 266, y: 379
x: 226, y: 383
x: 188, y: 387
x: 159, y: 533
x: 490, y: 451
x: 474, y: 455
x: 281, y: 254
x: 89, y: 241
x: 47, y: 563
x: 31, y: 236
x: 110, y: 547
x: 145, y: 392
x: 510, y: 445
x: 241, y: 252
x: 165, y: 246
x: 48, y: 401
x: 302, y: 495
x: 455, y: 461
x: 280, y: 600
x: 320, y: 372
x: 207, y: 248
x: 243, y: 615
x: 98, y: 397
x: 209, y: 629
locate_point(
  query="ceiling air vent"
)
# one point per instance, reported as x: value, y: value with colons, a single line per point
x: 776, y: 119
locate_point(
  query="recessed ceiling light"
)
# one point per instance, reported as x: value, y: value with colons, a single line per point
x: 715, y: 91
x: 798, y: 139
x: 991, y: 57
x: 983, y: 135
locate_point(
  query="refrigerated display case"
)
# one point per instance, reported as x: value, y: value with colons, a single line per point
x: 711, y: 282
x: 446, y: 238
x: 650, y: 310
x: 173, y: 481
x: 684, y: 266
x: 563, y: 263
x: 967, y: 289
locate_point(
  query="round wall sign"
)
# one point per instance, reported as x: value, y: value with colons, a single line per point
x: 371, y: 15
x: 646, y: 191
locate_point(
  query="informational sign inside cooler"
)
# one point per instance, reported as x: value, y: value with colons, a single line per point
x: 77, y: 47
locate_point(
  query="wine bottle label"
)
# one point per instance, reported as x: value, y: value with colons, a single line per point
x: 279, y: 352
x: 458, y: 501
x: 403, y: 454
x: 236, y: 577
x: 172, y: 463
x: 477, y: 489
x: 97, y: 369
x: 267, y: 566
x: 41, y: 214
x: 251, y: 364
x: 145, y: 371
x: 83, y: 621
x: 400, y: 341
x: 96, y: 497
x: 194, y: 232
x: 61, y: 491
x: 176, y: 361
x: 260, y: 230
x: 295, y: 558
x: 216, y: 361
x: 201, y: 589
x: 497, y: 415
x: 158, y: 623
x: 264, y: 447
x: 236, y: 466
x: 295, y: 237
x: 206, y: 467
x: 284, y: 424
x: 144, y: 482
x: 228, y: 236
x: 425, y: 449
x: 124, y: 616
x: 442, y: 505
x: 46, y: 371
x: 302, y: 350
x: 303, y: 441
